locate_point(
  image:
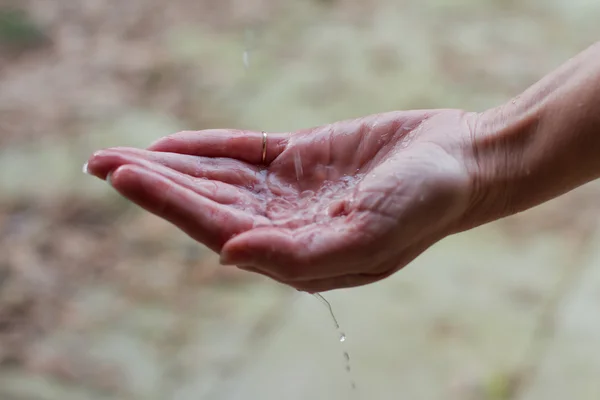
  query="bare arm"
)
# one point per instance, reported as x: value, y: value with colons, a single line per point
x: 541, y: 144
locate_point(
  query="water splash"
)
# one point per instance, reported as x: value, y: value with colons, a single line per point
x: 248, y: 40
x: 342, y: 336
x: 298, y: 166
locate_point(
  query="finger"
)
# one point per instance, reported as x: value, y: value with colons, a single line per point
x: 316, y: 286
x: 340, y: 282
x: 263, y: 273
x: 242, y: 145
x: 202, y: 219
x: 109, y: 160
x: 325, y: 285
x: 316, y: 252
x: 354, y: 280
x: 220, y: 169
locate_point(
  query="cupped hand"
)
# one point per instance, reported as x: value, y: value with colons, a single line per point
x: 336, y: 206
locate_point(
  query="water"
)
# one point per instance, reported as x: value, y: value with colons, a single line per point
x: 299, y: 175
x: 248, y: 39
x: 298, y: 166
x: 341, y: 335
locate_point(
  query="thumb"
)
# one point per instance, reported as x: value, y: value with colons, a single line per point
x: 271, y: 250
x: 315, y: 252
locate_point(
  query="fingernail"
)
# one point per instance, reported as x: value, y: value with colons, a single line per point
x: 109, y: 178
x: 85, y: 169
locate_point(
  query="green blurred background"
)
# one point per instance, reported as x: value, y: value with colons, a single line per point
x: 99, y: 300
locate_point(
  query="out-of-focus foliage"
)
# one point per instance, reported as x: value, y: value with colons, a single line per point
x: 18, y: 31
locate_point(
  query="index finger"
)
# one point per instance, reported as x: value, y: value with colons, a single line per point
x: 242, y: 145
x: 201, y: 218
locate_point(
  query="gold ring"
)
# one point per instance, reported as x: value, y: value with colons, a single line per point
x: 264, y: 146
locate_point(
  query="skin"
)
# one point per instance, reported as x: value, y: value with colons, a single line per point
x: 351, y: 203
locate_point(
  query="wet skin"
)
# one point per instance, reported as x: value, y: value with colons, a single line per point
x: 336, y: 206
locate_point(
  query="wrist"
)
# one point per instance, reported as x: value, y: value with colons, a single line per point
x: 500, y: 163
x: 538, y: 146
x: 525, y: 155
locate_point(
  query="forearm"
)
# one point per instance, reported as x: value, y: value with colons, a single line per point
x: 542, y: 143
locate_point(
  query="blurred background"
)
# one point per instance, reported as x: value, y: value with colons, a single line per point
x: 99, y: 300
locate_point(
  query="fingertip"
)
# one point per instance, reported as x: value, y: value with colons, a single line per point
x: 95, y: 165
x: 124, y: 174
x: 174, y: 143
x: 269, y: 249
x: 159, y: 144
x: 103, y: 162
x: 228, y: 259
x: 238, y: 250
x: 141, y: 186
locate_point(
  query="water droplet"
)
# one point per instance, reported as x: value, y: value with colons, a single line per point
x: 324, y: 301
x: 342, y: 337
x: 298, y: 166
x: 248, y: 45
x: 339, y: 229
x: 260, y: 223
x: 347, y: 180
x: 307, y: 194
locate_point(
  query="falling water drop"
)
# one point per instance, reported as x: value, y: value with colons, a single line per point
x: 342, y: 336
x: 248, y: 39
x: 298, y: 166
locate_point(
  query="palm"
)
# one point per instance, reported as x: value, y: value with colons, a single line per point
x: 315, y: 178
x: 325, y: 212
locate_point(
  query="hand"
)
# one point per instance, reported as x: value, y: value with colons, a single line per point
x: 336, y: 206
